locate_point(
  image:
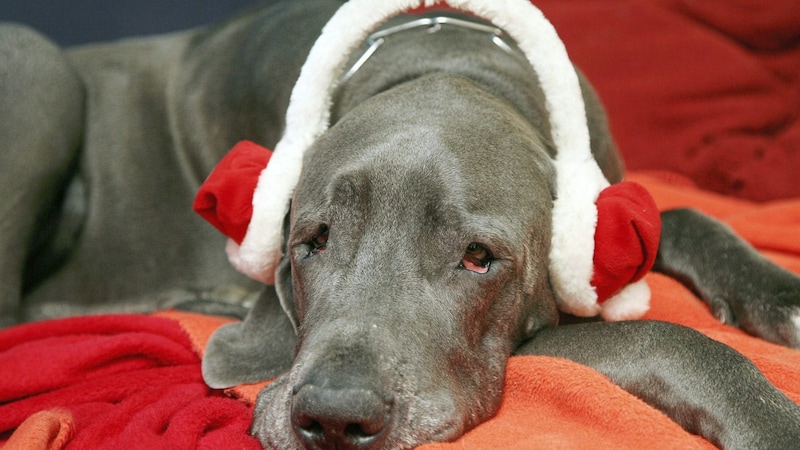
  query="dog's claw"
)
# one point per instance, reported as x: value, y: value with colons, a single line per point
x: 722, y: 311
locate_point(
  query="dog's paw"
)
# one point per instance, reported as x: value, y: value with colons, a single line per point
x: 768, y: 306
x: 742, y: 287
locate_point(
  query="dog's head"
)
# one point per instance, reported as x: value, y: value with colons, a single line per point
x: 416, y: 260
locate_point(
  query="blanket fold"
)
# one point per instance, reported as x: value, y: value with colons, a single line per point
x: 112, y: 381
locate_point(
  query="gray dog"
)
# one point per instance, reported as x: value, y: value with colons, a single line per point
x: 439, y: 161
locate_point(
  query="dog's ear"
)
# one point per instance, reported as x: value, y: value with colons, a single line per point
x: 283, y: 277
x: 257, y: 349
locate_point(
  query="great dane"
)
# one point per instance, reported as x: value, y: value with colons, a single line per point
x: 415, y: 251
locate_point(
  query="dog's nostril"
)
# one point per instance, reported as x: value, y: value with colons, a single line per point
x: 339, y: 418
x: 356, y: 431
x: 311, y: 427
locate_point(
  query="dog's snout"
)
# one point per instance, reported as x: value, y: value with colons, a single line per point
x: 340, y: 418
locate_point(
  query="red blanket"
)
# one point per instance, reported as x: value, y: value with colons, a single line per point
x: 123, y: 381
x: 707, y: 88
x: 126, y: 381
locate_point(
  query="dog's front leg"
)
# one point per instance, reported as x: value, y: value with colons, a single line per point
x: 741, y: 286
x: 705, y: 386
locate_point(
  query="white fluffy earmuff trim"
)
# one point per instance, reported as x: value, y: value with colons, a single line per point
x: 629, y: 303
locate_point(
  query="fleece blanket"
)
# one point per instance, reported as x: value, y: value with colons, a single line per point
x: 709, y: 89
x: 133, y: 381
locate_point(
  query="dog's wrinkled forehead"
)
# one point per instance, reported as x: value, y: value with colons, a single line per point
x: 442, y: 129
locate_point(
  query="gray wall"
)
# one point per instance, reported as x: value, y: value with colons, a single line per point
x: 71, y: 22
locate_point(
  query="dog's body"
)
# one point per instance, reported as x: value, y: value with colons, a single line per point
x: 417, y: 246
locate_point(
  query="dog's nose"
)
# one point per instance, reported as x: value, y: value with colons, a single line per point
x: 340, y: 418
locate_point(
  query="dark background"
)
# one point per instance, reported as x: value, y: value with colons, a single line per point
x: 71, y: 22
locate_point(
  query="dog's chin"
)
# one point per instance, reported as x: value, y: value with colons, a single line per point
x: 416, y: 420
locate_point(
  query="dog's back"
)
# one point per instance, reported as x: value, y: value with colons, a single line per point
x: 150, y: 119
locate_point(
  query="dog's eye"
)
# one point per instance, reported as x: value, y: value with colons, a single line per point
x: 477, y: 258
x: 319, y: 243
